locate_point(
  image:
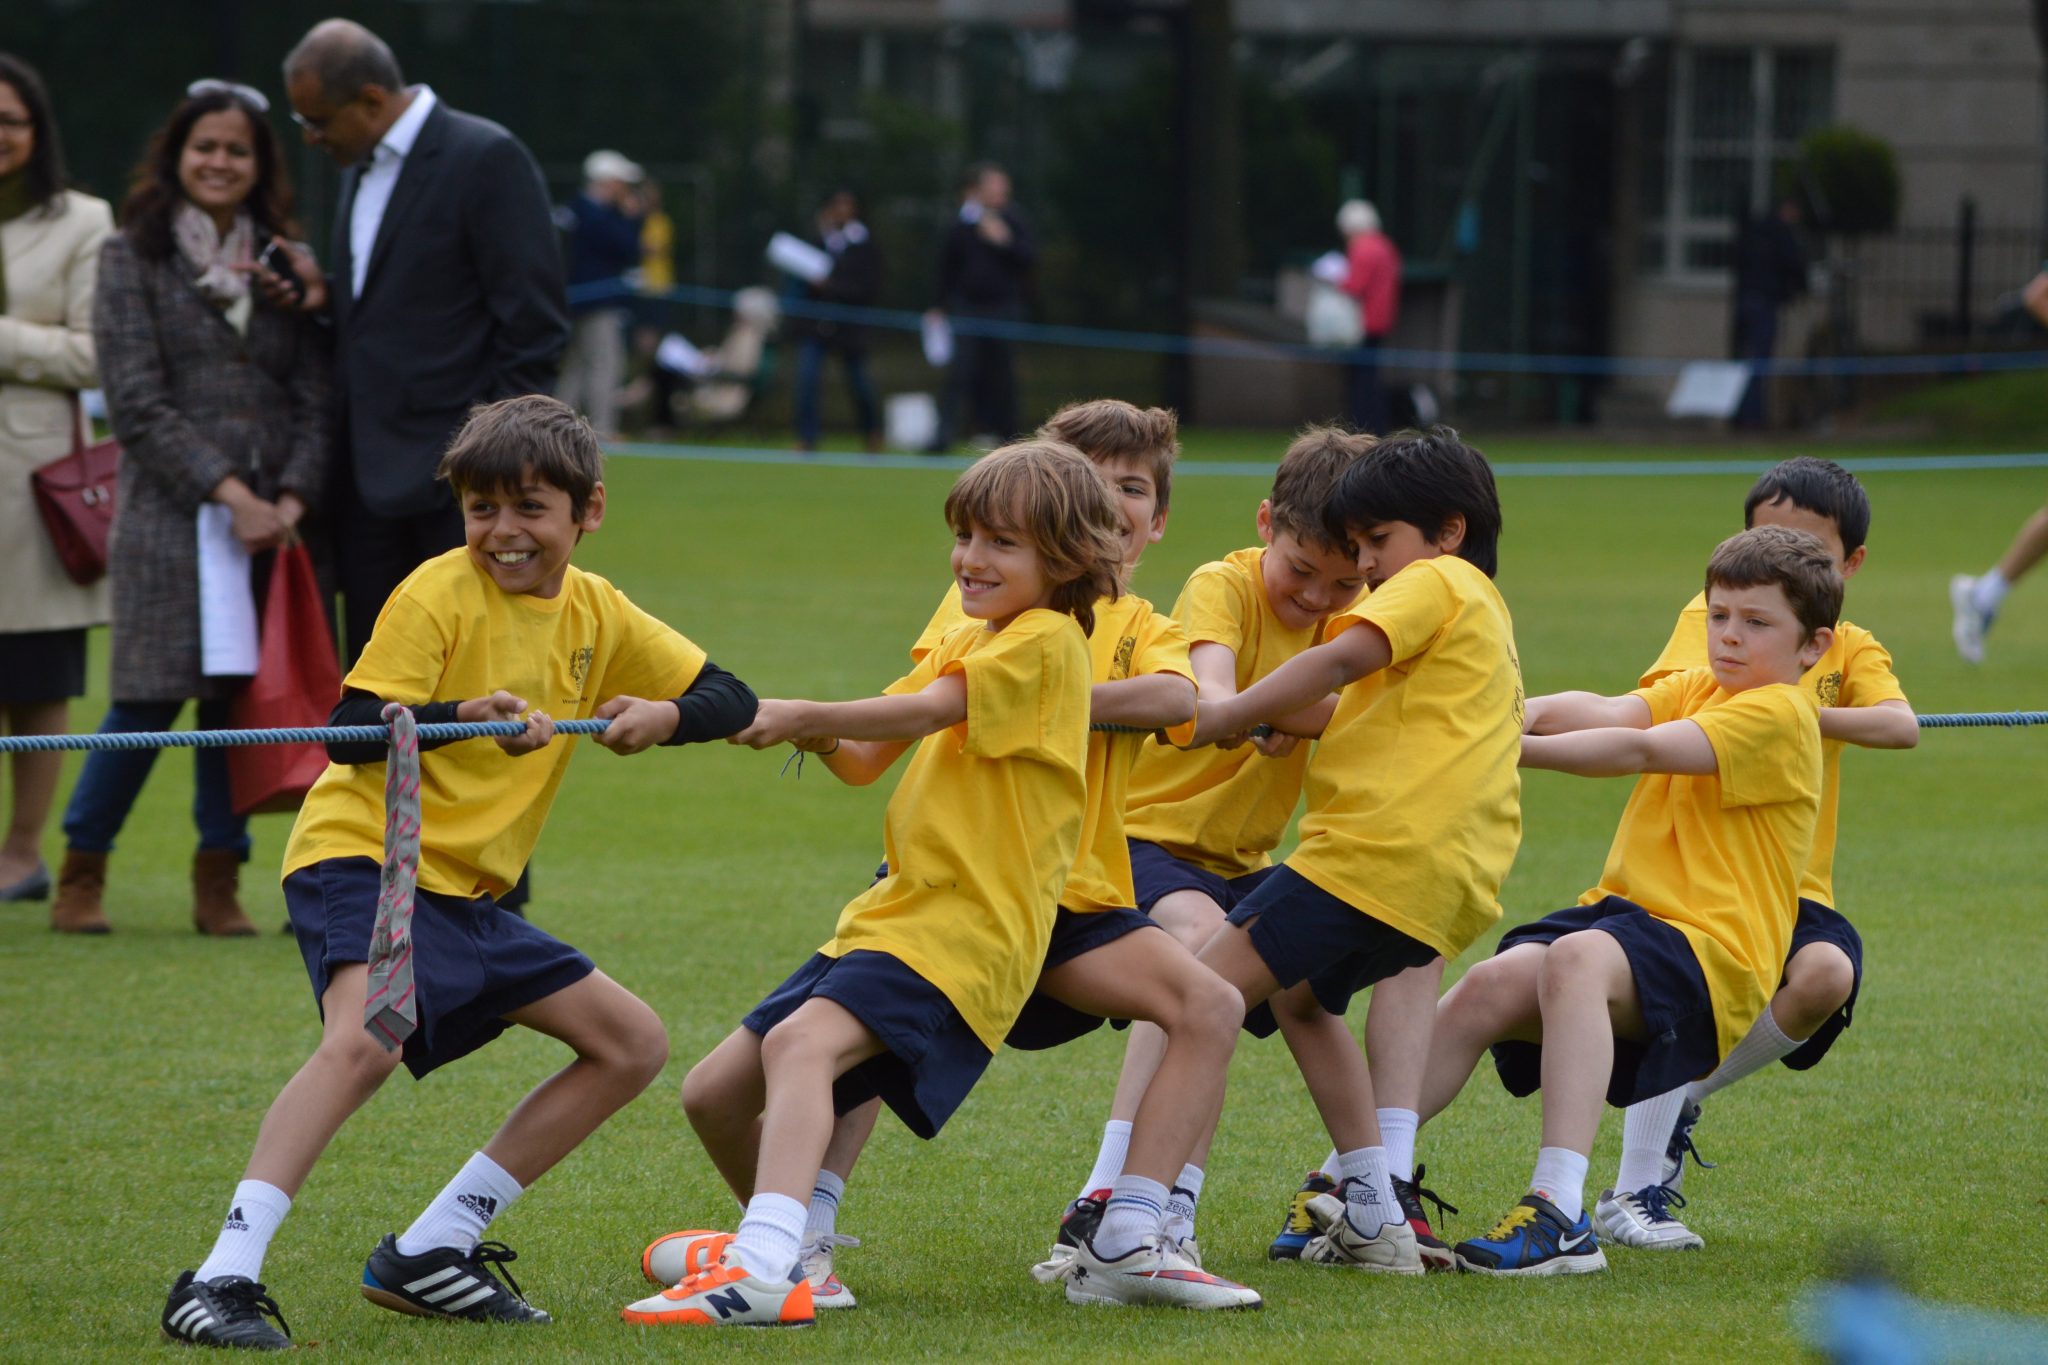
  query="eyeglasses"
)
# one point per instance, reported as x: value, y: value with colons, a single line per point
x: 248, y: 94
x: 318, y: 126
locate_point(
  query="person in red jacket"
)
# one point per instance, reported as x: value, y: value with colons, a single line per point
x: 1374, y: 279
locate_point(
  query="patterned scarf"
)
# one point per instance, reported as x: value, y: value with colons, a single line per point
x: 212, y: 256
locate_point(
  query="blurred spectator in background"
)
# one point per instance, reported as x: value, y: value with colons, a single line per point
x: 1976, y: 601
x: 1372, y: 277
x: 219, y: 396
x: 49, y: 255
x: 984, y: 270
x: 1770, y: 272
x: 855, y: 281
x: 604, y: 225
x: 657, y: 242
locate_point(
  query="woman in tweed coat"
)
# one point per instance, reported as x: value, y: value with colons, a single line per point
x: 216, y: 395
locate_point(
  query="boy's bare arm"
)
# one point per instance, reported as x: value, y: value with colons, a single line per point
x: 1303, y: 681
x: 1156, y: 701
x: 887, y: 725
x: 1310, y: 721
x: 1677, y: 746
x: 1563, y: 712
x: 1885, y: 725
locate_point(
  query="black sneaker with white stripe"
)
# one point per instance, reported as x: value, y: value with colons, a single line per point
x: 228, y: 1311
x: 446, y: 1283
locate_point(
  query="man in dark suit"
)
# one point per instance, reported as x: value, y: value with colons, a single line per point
x: 984, y: 272
x: 446, y: 290
x: 855, y: 281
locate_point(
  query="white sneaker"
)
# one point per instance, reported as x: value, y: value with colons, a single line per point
x: 674, y: 1257
x: 1970, y: 624
x: 826, y: 1289
x: 727, y: 1295
x: 1642, y: 1219
x: 1390, y: 1251
x: 1155, y: 1274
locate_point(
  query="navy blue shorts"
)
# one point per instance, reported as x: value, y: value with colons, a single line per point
x: 1048, y: 1023
x: 1156, y: 874
x: 1818, y: 923
x: 1678, y: 1013
x: 472, y: 962
x: 934, y: 1058
x: 1303, y: 933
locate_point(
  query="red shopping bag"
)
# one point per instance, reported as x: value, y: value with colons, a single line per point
x: 297, y: 682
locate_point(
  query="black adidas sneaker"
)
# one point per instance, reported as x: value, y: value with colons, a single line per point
x: 446, y: 1283
x: 227, y: 1311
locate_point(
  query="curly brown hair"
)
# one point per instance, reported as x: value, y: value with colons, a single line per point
x: 154, y: 191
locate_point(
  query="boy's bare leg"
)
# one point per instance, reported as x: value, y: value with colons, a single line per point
x: 1192, y: 918
x: 1331, y: 1066
x: 2028, y: 548
x: 1588, y: 998
x: 850, y: 1134
x: 1818, y: 980
x: 1494, y: 1002
x: 343, y: 1072
x: 1398, y: 1024
x: 620, y: 1048
x: 800, y: 1059
x: 723, y: 1096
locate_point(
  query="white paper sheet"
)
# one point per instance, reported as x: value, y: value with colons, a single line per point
x: 227, y: 605
x: 938, y: 340
x: 799, y: 258
x: 676, y: 354
x: 1331, y: 268
x: 1708, y: 388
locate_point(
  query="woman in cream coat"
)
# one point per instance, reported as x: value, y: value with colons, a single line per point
x: 49, y: 255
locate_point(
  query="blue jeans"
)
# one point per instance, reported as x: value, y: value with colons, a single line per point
x: 113, y: 778
x: 810, y: 374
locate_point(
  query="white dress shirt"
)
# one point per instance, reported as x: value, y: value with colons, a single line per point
x: 379, y: 177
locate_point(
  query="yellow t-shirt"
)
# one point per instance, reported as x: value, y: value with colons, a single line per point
x: 1856, y: 671
x: 1223, y: 809
x: 448, y: 633
x: 1414, y: 793
x: 946, y: 619
x: 1718, y: 857
x: 985, y: 825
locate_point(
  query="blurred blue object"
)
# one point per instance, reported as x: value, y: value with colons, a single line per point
x: 1868, y: 1322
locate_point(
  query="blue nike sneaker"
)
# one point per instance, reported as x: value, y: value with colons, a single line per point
x: 1534, y: 1239
x: 1297, y: 1229
x: 1681, y: 1146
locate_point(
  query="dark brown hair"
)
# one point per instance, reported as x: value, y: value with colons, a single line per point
x: 1307, y: 478
x: 1111, y: 429
x: 1821, y: 487
x: 506, y: 443
x: 45, y: 169
x: 1423, y: 478
x: 1796, y: 561
x: 154, y: 192
x: 1048, y: 493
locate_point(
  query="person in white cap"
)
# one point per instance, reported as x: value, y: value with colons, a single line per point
x: 603, y: 223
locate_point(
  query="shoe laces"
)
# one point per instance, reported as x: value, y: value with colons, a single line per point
x: 1413, y: 1191
x: 245, y: 1299
x: 1681, y: 1145
x: 1516, y: 1218
x: 828, y: 1240
x: 1657, y: 1201
x: 489, y: 1254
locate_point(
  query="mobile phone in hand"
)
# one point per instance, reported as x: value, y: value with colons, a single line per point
x: 276, y: 258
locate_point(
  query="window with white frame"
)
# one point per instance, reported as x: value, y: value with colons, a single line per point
x: 1733, y: 116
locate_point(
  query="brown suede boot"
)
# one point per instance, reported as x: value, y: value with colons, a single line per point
x: 80, y: 883
x: 215, y: 911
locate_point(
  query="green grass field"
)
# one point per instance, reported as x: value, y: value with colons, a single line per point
x: 136, y: 1067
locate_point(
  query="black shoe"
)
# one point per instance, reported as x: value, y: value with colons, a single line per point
x: 446, y: 1283
x: 1081, y: 1219
x: 226, y: 1311
x: 1409, y: 1194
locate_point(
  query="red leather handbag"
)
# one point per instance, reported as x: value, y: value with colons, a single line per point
x: 298, y: 680
x: 75, y: 495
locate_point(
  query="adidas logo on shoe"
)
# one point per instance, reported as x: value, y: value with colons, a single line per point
x: 235, y: 1222
x: 482, y: 1205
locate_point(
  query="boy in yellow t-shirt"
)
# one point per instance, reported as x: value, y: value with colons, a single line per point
x: 1861, y: 703
x: 1414, y: 810
x: 1660, y: 970
x: 475, y: 634
x: 930, y: 966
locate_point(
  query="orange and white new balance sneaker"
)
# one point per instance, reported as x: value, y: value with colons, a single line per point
x: 728, y: 1295
x: 676, y: 1256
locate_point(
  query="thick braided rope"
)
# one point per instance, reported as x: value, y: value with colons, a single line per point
x: 318, y: 734
x: 390, y: 1010
x: 1961, y: 720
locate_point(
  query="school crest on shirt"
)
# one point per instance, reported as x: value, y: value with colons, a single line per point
x: 1125, y: 648
x: 579, y: 664
x: 1828, y: 688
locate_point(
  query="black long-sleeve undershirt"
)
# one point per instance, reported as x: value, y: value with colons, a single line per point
x: 716, y: 705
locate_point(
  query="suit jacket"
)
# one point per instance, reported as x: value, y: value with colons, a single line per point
x: 463, y: 303
x: 46, y: 356
x: 856, y: 281
x: 193, y: 401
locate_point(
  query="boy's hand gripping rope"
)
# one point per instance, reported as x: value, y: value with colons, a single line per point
x: 390, y: 1011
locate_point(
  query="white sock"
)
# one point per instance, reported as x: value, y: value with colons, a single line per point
x: 1329, y: 1166
x: 1561, y: 1178
x: 480, y: 1191
x: 1180, y: 1203
x: 245, y: 1234
x: 1763, y: 1044
x: 770, y: 1235
x: 1369, y: 1199
x: 1989, y: 593
x: 1136, y: 1209
x: 1645, y: 1133
x: 1109, y: 1159
x: 1397, y: 1135
x: 824, y: 1214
